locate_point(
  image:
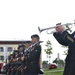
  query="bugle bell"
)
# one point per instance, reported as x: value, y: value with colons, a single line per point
x: 40, y: 30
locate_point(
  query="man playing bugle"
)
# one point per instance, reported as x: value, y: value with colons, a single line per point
x: 66, y: 39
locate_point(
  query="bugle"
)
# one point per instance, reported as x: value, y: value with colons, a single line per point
x: 40, y: 30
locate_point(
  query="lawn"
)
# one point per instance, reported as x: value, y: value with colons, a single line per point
x: 47, y: 71
x: 53, y: 73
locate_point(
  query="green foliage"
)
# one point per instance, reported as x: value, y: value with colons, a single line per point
x: 69, y: 28
x: 48, y: 49
x: 45, y: 62
x: 66, y: 51
x: 60, y: 61
x: 55, y: 61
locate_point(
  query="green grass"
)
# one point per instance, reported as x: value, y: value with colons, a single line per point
x: 53, y: 69
x: 47, y: 72
x: 55, y: 73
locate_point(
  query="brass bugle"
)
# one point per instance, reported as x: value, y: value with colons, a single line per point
x: 40, y: 30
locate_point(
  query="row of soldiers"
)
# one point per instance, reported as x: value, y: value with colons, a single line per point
x: 15, y: 64
x: 25, y: 60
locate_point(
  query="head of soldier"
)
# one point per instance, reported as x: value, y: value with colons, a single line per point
x: 15, y: 52
x: 35, y: 38
x: 59, y: 28
x: 11, y: 56
x: 27, y: 44
x: 20, y: 48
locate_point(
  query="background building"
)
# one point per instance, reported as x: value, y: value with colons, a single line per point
x: 10, y: 46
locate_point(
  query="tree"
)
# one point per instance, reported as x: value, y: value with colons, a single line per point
x: 55, y: 61
x: 45, y: 62
x: 48, y: 49
x: 68, y: 27
x: 66, y: 51
x: 60, y: 62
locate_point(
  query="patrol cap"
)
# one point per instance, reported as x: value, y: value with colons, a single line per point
x: 35, y: 36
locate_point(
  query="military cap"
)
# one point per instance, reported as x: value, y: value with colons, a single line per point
x: 35, y: 36
x: 15, y: 50
x: 27, y: 41
x: 21, y: 46
x: 58, y: 24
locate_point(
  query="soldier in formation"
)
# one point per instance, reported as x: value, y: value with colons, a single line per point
x: 25, y: 60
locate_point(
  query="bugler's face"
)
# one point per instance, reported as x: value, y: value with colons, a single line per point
x: 59, y: 28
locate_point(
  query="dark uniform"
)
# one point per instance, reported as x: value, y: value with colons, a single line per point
x: 26, y: 51
x: 19, y: 61
x: 14, y: 63
x: 67, y: 39
x: 32, y: 59
x: 9, y: 64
